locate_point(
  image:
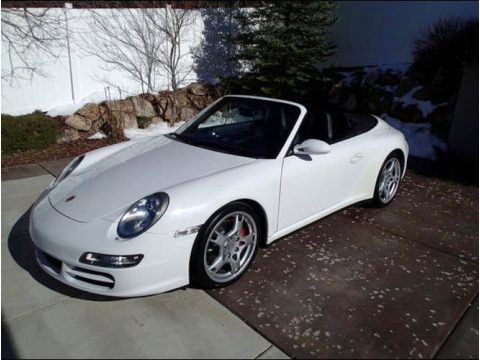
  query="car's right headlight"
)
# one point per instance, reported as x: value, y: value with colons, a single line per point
x: 142, y: 215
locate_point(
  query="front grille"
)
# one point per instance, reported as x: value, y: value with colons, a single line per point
x: 49, y: 261
x: 74, y: 273
x: 57, y: 264
x: 92, y: 277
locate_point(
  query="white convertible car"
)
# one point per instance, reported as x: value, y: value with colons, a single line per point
x: 192, y: 207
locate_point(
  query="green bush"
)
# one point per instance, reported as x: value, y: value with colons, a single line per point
x: 31, y: 131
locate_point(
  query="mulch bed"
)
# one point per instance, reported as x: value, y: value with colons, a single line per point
x: 55, y: 151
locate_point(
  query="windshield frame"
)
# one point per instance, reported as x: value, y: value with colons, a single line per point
x: 206, y: 112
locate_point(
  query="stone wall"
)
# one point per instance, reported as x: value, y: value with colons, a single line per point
x: 138, y: 111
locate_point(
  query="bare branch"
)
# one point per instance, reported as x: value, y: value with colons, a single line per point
x: 31, y: 37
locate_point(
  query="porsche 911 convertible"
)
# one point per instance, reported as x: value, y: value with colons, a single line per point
x: 192, y: 207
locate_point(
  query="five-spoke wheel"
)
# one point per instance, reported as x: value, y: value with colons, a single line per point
x: 388, y: 180
x: 226, y: 246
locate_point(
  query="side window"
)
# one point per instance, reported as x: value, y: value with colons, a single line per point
x: 316, y: 126
x: 340, y: 127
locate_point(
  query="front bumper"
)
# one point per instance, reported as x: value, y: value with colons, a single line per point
x: 60, y: 242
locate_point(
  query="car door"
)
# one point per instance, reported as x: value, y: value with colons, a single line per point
x: 314, y: 183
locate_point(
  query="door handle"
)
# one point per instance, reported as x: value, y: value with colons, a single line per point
x: 356, y: 158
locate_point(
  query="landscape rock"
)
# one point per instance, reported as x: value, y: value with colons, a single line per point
x: 187, y: 113
x: 129, y: 120
x: 371, y: 78
x: 405, y: 85
x: 91, y: 111
x: 197, y: 89
x: 199, y: 102
x: 68, y: 135
x: 143, y: 107
x: 79, y: 122
x: 408, y: 113
x: 431, y: 93
x: 121, y: 106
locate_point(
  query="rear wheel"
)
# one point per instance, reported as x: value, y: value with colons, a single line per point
x: 388, y: 181
x: 226, y: 246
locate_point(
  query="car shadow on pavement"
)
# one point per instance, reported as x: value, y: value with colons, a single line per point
x: 22, y: 250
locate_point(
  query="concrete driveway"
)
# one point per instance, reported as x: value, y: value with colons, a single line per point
x: 395, y: 282
x: 42, y: 318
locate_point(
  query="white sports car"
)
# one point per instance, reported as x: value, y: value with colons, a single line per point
x: 192, y: 207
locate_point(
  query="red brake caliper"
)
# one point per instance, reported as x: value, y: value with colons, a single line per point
x: 243, y: 232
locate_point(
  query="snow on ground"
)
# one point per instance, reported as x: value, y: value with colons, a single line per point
x: 426, y: 107
x: 96, y: 97
x: 152, y: 130
x: 97, y: 136
x: 422, y: 142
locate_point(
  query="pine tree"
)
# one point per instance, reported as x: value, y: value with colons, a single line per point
x: 214, y: 56
x: 283, y: 43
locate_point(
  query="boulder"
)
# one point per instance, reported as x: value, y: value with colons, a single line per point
x: 197, y: 89
x: 408, y: 113
x: 91, y: 111
x: 79, y: 122
x: 68, y: 135
x: 371, y: 78
x: 128, y: 120
x: 142, y: 107
x: 379, y: 100
x: 434, y: 94
x: 121, y: 106
x: 156, y: 120
x: 187, y: 113
x: 198, y: 102
x: 405, y: 85
x: 388, y: 78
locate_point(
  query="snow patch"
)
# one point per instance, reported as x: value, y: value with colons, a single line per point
x: 95, y: 97
x: 161, y: 128
x: 422, y: 142
x: 97, y: 136
x: 426, y: 107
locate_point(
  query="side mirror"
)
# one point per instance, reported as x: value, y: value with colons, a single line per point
x: 312, y: 147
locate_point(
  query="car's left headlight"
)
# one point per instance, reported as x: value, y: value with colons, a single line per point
x: 142, y: 215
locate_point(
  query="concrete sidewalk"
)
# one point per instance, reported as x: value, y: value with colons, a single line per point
x: 42, y: 318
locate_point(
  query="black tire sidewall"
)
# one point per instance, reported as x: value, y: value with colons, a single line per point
x: 198, y: 275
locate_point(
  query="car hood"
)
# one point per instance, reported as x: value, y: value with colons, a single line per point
x: 133, y: 172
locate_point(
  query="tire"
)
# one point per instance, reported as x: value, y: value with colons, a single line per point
x: 388, y: 181
x: 225, y: 246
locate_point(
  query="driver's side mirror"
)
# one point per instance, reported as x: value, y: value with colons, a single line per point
x: 312, y: 147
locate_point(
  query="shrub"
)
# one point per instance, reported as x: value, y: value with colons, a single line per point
x: 441, y: 53
x: 32, y: 131
x: 143, y: 122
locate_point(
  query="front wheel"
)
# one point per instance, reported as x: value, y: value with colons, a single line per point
x: 225, y: 247
x: 388, y: 181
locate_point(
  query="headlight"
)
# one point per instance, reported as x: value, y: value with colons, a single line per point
x: 142, y: 215
x: 68, y: 170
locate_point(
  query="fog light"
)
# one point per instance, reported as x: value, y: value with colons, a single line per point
x: 111, y: 261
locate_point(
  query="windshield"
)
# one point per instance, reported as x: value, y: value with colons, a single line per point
x: 241, y: 126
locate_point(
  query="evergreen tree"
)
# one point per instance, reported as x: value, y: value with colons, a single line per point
x: 283, y: 43
x: 214, y: 56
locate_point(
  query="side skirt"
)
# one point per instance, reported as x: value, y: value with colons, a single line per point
x: 317, y: 216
